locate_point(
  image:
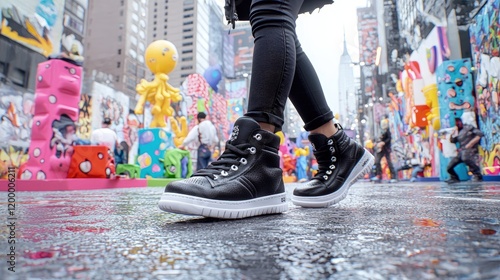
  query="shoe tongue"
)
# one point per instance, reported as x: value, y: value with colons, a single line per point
x: 243, y: 128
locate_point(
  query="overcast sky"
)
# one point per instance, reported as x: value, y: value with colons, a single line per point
x: 322, y: 35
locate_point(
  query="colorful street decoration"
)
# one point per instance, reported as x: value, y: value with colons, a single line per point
x: 56, y: 112
x: 161, y: 58
x: 455, y: 100
x: 485, y: 45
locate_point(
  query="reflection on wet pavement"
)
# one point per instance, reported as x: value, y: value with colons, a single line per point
x: 398, y: 231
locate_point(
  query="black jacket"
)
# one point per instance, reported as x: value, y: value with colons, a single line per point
x: 240, y: 9
x: 465, y: 135
x: 386, y: 137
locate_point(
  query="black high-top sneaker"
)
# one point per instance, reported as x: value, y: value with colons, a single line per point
x: 341, y: 161
x: 246, y: 180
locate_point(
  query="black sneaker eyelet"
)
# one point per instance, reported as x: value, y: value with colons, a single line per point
x: 328, y: 172
x: 258, y: 136
x: 224, y: 173
x: 325, y: 177
x: 234, y: 167
x: 330, y: 142
x: 252, y: 150
x: 216, y: 177
x: 334, y: 159
x: 243, y: 161
x: 332, y: 149
x: 332, y: 166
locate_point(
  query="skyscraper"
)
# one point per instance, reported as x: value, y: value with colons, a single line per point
x: 346, y: 89
x: 194, y: 27
x: 115, y: 42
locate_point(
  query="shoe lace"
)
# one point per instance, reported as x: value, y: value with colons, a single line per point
x: 326, y: 162
x: 231, y: 158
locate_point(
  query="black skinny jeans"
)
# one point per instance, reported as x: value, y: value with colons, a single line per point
x: 281, y: 69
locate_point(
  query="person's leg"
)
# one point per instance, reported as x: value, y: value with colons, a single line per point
x: 451, y: 170
x: 341, y: 161
x: 474, y: 168
x: 203, y: 157
x: 247, y: 180
x: 274, y: 60
x: 414, y: 173
x: 394, y: 175
x: 378, y: 165
x: 199, y: 161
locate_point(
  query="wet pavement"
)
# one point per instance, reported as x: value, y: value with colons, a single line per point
x: 383, y: 231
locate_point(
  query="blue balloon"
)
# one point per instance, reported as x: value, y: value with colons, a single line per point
x: 213, y: 75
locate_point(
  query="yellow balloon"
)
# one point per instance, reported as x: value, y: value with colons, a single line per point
x: 161, y: 57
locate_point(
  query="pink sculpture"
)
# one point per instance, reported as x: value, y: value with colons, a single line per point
x: 56, y: 111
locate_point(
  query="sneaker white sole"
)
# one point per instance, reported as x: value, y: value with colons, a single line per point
x: 223, y: 209
x: 362, y: 168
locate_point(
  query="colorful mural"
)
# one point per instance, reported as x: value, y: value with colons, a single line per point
x: 109, y: 103
x: 485, y: 45
x: 16, y: 118
x: 204, y: 99
x: 84, y: 126
x: 455, y: 99
x: 37, y: 25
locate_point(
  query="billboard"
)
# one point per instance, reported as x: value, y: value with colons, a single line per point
x: 36, y: 24
x: 368, y: 43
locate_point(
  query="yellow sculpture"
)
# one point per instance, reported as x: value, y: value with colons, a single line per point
x: 161, y: 59
x: 431, y: 99
x: 180, y: 131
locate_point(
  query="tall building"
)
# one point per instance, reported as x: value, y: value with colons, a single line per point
x: 368, y: 45
x: 418, y: 18
x: 346, y: 90
x: 74, y: 26
x: 195, y: 27
x: 115, y: 41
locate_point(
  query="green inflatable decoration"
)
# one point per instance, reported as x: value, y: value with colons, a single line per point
x: 177, y: 164
x: 131, y: 170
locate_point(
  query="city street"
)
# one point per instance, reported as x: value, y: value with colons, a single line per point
x: 383, y: 231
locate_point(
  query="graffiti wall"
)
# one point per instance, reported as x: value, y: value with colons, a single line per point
x: 109, y: 103
x: 16, y: 117
x: 413, y: 106
x: 485, y: 45
x: 35, y: 24
x: 456, y: 100
x: 84, y: 128
x: 202, y: 98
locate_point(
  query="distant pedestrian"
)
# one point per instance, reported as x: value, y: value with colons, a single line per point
x: 206, y: 136
x: 105, y: 136
x: 418, y: 165
x: 468, y: 137
x: 383, y: 149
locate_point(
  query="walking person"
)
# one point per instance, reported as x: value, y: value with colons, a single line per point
x: 246, y: 180
x: 206, y: 135
x: 105, y: 136
x: 468, y: 137
x: 383, y: 150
